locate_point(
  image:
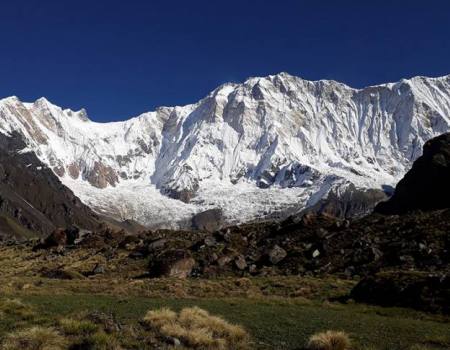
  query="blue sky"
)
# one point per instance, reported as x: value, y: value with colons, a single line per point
x: 120, y: 58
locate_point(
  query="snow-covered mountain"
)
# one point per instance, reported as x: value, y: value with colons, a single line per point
x: 252, y: 149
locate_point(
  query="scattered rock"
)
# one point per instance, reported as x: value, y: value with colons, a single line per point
x: 223, y: 260
x: 240, y: 262
x: 276, y: 254
x: 98, y: 269
x: 156, y: 244
x: 210, y: 241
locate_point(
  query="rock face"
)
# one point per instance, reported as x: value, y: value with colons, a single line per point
x: 426, y: 186
x: 272, y: 144
x: 32, y: 199
x: 349, y: 203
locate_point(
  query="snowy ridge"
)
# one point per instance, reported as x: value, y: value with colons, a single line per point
x: 253, y: 148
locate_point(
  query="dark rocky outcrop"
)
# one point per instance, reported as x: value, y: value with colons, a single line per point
x: 352, y: 203
x: 60, y: 238
x: 422, y: 291
x: 32, y: 199
x: 426, y: 186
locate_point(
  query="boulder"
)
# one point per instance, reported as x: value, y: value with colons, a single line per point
x: 223, y: 260
x: 276, y: 254
x: 98, y: 269
x: 210, y: 220
x: 156, y: 244
x: 240, y: 262
x: 57, y: 238
x: 172, y: 263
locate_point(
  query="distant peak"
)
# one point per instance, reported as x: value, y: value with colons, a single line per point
x: 42, y: 101
x: 82, y: 114
x: 10, y: 99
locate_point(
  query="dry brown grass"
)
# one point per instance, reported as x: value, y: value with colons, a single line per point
x: 329, y: 340
x: 17, y: 308
x: 197, y: 329
x: 35, y: 338
x: 161, y: 317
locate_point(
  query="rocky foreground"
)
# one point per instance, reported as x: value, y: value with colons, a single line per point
x: 400, y: 260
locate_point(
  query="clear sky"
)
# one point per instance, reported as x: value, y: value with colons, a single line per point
x: 120, y: 58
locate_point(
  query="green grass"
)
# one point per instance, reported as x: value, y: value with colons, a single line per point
x: 273, y: 324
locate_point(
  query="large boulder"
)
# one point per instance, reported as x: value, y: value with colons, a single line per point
x: 172, y: 263
x: 60, y: 238
x: 209, y: 220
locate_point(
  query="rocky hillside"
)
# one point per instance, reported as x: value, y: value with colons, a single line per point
x: 269, y: 145
x: 33, y: 201
x: 426, y: 186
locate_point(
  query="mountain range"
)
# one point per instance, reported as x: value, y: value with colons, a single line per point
x: 268, y: 147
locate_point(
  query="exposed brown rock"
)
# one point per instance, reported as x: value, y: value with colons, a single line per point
x: 59, y: 170
x: 101, y: 175
x: 74, y: 170
x: 57, y: 238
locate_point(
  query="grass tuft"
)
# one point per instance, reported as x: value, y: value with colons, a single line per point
x: 15, y: 307
x: 329, y: 340
x: 99, y: 341
x: 74, y: 327
x: 159, y: 318
x: 35, y: 338
x: 197, y: 329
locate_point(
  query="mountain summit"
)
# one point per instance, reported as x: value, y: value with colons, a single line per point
x: 253, y: 149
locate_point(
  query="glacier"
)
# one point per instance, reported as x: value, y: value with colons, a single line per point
x: 252, y: 149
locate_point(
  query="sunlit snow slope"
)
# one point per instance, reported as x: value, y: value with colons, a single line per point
x: 252, y: 149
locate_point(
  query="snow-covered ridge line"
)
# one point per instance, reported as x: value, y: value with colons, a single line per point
x: 271, y: 142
